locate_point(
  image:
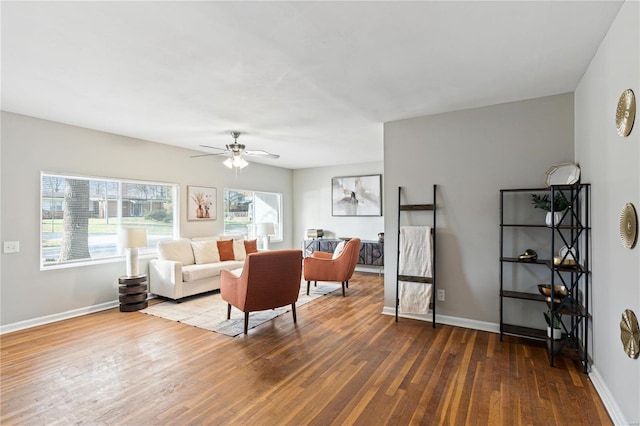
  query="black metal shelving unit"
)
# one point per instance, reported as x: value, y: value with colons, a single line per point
x: 572, y: 231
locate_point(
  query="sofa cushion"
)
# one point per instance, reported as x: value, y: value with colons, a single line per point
x: 225, y: 249
x: 205, y: 251
x: 251, y: 246
x: 177, y: 250
x: 339, y: 249
x: 208, y: 270
x: 239, y: 252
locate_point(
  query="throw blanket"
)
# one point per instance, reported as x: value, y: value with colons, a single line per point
x: 416, y: 261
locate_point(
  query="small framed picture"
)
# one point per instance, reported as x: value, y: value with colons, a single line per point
x: 356, y: 195
x: 201, y: 203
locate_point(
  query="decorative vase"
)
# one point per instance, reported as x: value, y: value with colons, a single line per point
x: 556, y: 333
x: 553, y: 219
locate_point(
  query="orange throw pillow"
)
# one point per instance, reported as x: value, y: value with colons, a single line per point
x: 225, y: 249
x: 251, y: 246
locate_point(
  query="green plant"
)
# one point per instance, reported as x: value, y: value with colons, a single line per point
x: 543, y: 202
x: 552, y: 320
x: 160, y: 215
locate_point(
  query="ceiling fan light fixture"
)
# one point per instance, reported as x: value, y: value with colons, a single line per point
x: 236, y: 161
x: 240, y: 162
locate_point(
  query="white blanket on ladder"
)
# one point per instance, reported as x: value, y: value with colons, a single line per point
x: 415, y: 260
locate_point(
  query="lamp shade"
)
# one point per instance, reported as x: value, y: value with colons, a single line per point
x: 133, y: 237
x: 266, y: 228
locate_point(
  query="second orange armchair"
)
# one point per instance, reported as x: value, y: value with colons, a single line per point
x: 321, y: 266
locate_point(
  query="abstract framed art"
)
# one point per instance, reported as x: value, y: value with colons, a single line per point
x: 356, y: 195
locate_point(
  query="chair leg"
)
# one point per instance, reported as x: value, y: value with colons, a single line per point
x: 308, y: 286
x: 343, y: 292
x: 347, y: 283
x: 293, y: 309
x: 246, y: 322
x: 228, y: 310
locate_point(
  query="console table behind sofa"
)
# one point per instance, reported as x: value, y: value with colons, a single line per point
x: 371, y: 252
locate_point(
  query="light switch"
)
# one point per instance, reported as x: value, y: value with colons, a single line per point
x: 12, y: 246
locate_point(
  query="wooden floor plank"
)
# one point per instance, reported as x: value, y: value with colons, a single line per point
x: 341, y: 363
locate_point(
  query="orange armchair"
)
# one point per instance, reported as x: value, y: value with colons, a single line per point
x: 321, y: 266
x: 269, y: 279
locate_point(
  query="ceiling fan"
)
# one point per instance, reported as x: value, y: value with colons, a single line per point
x: 236, y: 152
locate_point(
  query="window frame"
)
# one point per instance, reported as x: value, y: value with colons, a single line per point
x: 279, y: 237
x: 146, y: 252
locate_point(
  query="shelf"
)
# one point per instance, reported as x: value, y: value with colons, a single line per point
x: 416, y: 207
x: 569, y: 306
x: 567, y: 347
x: 524, y: 296
x: 524, y: 225
x: 529, y: 262
x: 578, y: 269
x: 549, y: 264
x: 543, y: 226
x: 414, y: 279
x: 556, y: 187
x: 573, y: 231
x: 526, y: 332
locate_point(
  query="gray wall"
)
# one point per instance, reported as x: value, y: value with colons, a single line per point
x: 471, y: 155
x: 612, y: 164
x: 312, y: 198
x: 30, y: 145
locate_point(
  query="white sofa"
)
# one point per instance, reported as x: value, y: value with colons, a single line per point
x: 185, y: 267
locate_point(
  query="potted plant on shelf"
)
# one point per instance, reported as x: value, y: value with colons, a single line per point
x: 553, y: 326
x: 543, y: 202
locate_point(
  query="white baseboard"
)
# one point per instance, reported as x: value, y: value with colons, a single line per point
x: 449, y: 320
x: 617, y: 417
x: 34, y: 322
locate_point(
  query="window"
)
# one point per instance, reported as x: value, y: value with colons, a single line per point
x: 80, y: 216
x: 244, y: 210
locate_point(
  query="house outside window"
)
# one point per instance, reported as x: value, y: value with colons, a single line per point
x: 81, y: 217
x: 244, y: 210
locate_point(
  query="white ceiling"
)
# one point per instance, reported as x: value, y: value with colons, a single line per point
x: 311, y: 81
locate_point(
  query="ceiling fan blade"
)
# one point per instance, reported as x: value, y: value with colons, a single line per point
x: 213, y: 147
x: 201, y: 155
x: 223, y: 154
x: 236, y: 150
x: 260, y: 153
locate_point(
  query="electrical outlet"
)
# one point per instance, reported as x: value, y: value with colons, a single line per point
x: 441, y: 295
x: 12, y: 246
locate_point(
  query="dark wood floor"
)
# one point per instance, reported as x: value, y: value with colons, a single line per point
x: 344, y: 363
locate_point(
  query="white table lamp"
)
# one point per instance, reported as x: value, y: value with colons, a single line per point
x: 131, y: 239
x: 265, y: 230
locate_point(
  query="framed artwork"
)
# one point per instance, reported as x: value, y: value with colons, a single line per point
x: 201, y: 203
x: 356, y: 195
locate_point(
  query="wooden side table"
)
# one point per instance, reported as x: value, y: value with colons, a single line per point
x: 133, y: 293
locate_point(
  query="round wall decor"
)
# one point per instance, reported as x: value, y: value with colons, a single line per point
x: 629, y: 226
x: 630, y: 334
x: 626, y: 112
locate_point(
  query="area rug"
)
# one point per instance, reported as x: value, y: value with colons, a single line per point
x: 209, y: 311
